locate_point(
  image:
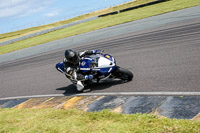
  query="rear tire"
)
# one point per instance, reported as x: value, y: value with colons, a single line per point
x: 123, y: 74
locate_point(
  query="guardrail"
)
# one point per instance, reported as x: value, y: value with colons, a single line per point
x: 47, y: 31
x: 132, y: 8
x: 78, y: 22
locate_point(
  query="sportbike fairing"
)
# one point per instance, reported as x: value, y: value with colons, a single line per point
x: 101, y: 67
x: 104, y: 64
x: 60, y: 67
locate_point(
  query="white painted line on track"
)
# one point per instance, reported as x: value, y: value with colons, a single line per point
x: 144, y: 93
x: 112, y: 94
x: 32, y: 96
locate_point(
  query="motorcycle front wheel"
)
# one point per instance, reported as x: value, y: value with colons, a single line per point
x: 123, y: 74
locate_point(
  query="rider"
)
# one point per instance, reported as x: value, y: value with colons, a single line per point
x: 72, y: 60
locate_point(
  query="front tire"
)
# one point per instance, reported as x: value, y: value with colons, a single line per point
x: 123, y: 74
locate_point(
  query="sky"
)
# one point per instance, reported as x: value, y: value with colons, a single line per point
x: 20, y: 14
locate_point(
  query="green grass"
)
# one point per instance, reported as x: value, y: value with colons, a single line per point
x: 16, y: 34
x: 75, y: 121
x: 100, y: 23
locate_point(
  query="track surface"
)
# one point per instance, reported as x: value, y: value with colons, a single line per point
x: 165, y: 58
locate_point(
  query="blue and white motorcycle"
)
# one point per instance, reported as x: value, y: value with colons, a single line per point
x: 101, y: 66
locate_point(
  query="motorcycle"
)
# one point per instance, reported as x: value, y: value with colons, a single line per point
x: 101, y: 66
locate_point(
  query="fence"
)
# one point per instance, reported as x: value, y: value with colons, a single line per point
x: 47, y: 31
x: 78, y: 22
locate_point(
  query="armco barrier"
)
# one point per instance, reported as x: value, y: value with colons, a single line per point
x: 78, y: 22
x: 47, y: 31
x: 132, y: 8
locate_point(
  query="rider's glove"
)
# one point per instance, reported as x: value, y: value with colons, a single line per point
x: 97, y: 51
x: 69, y: 71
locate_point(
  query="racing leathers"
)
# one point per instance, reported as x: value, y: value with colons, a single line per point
x: 72, y: 69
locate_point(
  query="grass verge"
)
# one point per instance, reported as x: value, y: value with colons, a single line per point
x: 100, y: 23
x: 16, y: 34
x: 56, y: 120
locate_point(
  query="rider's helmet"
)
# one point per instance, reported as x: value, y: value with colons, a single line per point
x: 71, y: 56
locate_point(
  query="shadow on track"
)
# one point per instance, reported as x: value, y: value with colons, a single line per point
x: 71, y: 89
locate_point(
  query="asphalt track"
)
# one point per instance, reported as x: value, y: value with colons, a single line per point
x: 163, y: 59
